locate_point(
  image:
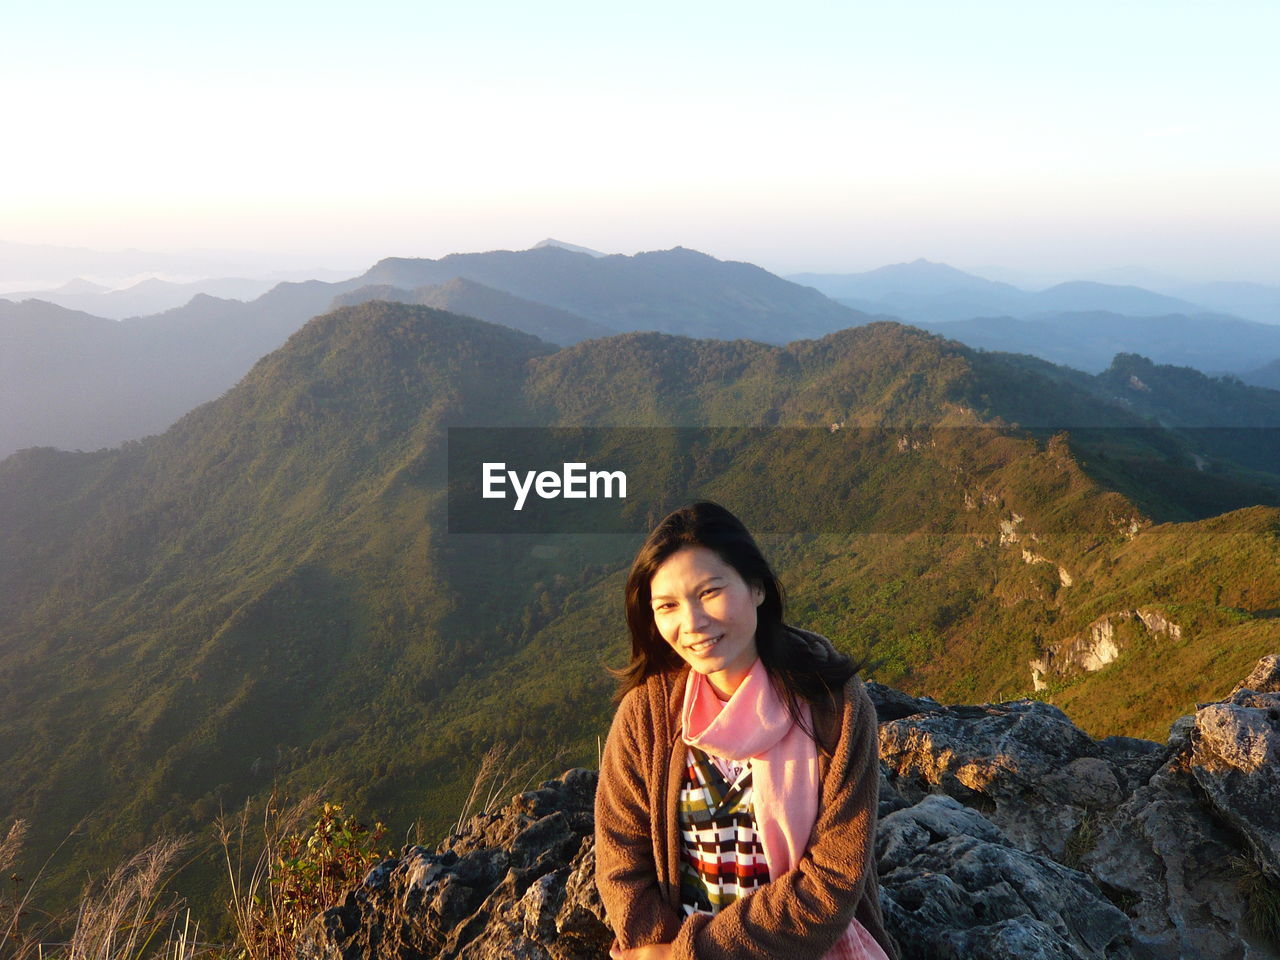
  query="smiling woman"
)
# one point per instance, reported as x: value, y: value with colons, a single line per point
x: 736, y: 810
x: 708, y: 615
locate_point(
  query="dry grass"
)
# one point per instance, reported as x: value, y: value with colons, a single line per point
x: 497, y: 776
x: 122, y: 918
x: 12, y: 906
x: 11, y: 845
x: 261, y: 919
x: 128, y: 916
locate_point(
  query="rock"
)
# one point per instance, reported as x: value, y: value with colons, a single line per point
x: 1023, y: 764
x: 581, y: 926
x: 1235, y: 759
x: 893, y: 704
x: 1099, y: 645
x: 954, y: 887
x: 1264, y: 678
x: 515, y: 883
x: 1163, y: 829
x: 1161, y: 855
x: 1005, y: 832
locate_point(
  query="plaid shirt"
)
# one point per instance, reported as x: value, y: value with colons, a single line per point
x: 723, y: 859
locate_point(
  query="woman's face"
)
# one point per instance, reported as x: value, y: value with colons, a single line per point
x: 707, y: 612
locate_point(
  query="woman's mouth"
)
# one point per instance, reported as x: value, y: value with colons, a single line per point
x: 702, y: 646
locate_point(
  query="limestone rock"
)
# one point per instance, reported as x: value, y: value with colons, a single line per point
x: 518, y: 883
x: 1264, y: 678
x: 1235, y: 759
x: 1005, y: 832
x: 955, y: 887
x: 1023, y: 764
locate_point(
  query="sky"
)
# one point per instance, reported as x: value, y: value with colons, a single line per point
x: 831, y: 137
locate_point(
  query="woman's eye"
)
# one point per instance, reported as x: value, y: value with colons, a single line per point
x: 711, y: 592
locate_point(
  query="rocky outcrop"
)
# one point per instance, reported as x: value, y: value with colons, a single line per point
x: 1184, y: 836
x: 519, y: 883
x: 1005, y: 832
x: 1097, y: 646
x: 954, y: 886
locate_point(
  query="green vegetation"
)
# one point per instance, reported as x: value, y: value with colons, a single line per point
x: 1083, y: 839
x: 266, y: 597
x: 308, y: 854
x: 1262, y: 894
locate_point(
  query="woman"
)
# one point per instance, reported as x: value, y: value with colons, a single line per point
x: 736, y: 812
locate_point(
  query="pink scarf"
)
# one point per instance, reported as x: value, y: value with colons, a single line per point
x: 755, y: 724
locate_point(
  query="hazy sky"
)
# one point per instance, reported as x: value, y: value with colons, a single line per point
x: 824, y: 136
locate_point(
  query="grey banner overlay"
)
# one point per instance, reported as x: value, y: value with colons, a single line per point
x: 786, y: 480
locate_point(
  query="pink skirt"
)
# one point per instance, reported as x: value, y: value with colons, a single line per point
x: 856, y: 944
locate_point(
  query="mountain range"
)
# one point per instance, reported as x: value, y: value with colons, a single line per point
x: 152, y: 295
x: 1090, y: 340
x: 76, y: 385
x: 926, y: 292
x: 267, y: 593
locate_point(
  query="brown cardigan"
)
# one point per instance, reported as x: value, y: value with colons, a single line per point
x: 799, y: 915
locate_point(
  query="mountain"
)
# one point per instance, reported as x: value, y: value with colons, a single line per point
x: 1088, y: 341
x: 146, y: 296
x: 918, y: 291
x: 476, y: 300
x: 1259, y: 302
x: 152, y: 369
x: 566, y: 246
x: 269, y: 592
x: 933, y: 293
x: 1081, y: 296
x: 81, y: 382
x: 69, y: 378
x: 76, y: 286
x: 672, y: 291
x: 1220, y: 420
x: 1265, y: 376
x: 1253, y: 301
x: 918, y: 278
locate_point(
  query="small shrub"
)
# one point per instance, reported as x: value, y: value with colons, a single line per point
x: 297, y: 872
x: 314, y: 866
x: 1083, y: 839
x: 1262, y: 896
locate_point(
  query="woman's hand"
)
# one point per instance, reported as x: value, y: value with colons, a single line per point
x: 652, y: 951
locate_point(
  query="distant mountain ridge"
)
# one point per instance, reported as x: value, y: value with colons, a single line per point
x: 932, y: 293
x: 920, y: 276
x: 485, y: 303
x: 144, y: 297
x: 566, y: 246
x: 1089, y: 340
x: 676, y: 291
x: 1265, y: 376
x: 135, y: 379
x: 144, y: 373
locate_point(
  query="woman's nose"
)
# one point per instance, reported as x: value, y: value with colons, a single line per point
x: 695, y: 618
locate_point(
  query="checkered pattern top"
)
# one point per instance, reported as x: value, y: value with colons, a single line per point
x: 723, y: 859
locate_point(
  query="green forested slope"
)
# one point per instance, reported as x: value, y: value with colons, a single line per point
x: 267, y: 592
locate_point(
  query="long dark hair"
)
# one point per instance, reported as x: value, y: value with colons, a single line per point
x: 801, y: 670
